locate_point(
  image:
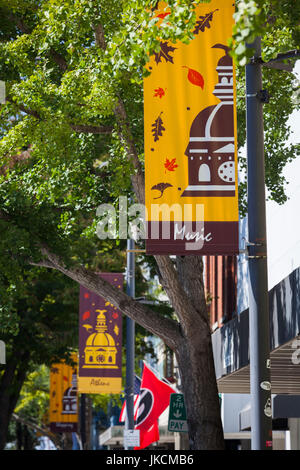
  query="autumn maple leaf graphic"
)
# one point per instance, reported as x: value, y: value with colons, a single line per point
x: 164, y: 53
x: 170, y: 165
x: 160, y: 92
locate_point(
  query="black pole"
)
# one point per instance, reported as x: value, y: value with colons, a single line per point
x: 130, y: 340
x: 260, y: 381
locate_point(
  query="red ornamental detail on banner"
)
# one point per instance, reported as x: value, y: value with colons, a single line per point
x: 100, y: 340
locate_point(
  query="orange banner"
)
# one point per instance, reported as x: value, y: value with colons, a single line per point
x: 63, y: 397
x: 191, y: 139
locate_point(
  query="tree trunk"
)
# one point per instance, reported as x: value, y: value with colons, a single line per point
x: 196, y: 365
x: 196, y: 362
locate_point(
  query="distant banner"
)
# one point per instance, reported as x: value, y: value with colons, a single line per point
x: 191, y: 139
x: 100, y: 341
x: 63, y: 397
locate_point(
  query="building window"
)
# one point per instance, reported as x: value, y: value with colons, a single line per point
x: 204, y: 173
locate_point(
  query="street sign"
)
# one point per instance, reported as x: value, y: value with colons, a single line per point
x: 132, y: 438
x: 177, y: 414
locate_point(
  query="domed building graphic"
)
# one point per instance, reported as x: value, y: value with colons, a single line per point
x: 100, y: 351
x: 211, y: 148
x: 69, y: 401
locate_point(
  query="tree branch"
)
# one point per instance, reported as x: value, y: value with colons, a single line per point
x: 37, y: 428
x: 56, y: 56
x: 99, y: 36
x: 168, y: 330
x: 125, y: 135
x: 84, y: 128
x: 87, y: 129
x: 137, y: 178
x: 187, y: 312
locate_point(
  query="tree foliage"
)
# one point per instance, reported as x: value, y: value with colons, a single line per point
x: 71, y: 138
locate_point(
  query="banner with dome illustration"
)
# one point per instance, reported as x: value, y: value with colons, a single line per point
x: 100, y: 341
x: 63, y: 397
x: 191, y: 139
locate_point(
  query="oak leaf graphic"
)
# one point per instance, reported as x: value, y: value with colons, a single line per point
x: 164, y: 53
x: 204, y: 22
x: 158, y: 128
x: 161, y: 187
x: 170, y: 165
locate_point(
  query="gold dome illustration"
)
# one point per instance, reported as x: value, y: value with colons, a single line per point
x: 100, y: 350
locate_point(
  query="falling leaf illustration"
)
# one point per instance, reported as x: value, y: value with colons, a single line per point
x: 158, y: 128
x: 87, y: 327
x: 53, y: 393
x: 194, y: 77
x: 116, y: 330
x: 204, y: 22
x: 115, y: 315
x: 65, y: 378
x: 164, y: 53
x: 86, y: 315
x: 160, y: 92
x: 161, y: 187
x: 170, y: 165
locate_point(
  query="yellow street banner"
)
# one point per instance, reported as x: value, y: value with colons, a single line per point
x: 191, y: 139
x: 63, y: 397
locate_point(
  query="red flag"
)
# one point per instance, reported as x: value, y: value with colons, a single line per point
x: 122, y: 416
x: 154, y: 399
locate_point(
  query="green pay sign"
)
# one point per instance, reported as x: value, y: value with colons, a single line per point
x: 177, y: 413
